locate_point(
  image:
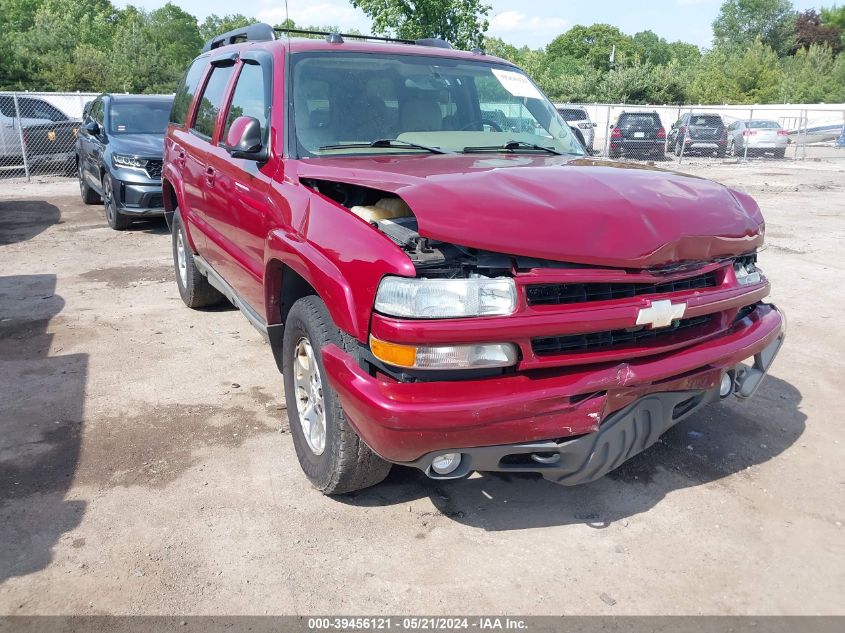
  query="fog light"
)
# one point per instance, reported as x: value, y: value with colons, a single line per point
x: 727, y: 385
x: 446, y: 463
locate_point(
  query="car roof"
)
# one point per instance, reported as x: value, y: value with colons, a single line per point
x: 303, y: 44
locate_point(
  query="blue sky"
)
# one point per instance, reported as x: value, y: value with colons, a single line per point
x: 531, y: 22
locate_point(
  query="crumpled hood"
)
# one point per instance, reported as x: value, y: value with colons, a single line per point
x: 571, y: 210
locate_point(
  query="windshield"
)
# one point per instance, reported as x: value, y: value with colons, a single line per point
x: 343, y: 99
x: 139, y: 117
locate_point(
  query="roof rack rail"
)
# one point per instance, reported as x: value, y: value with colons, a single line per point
x: 257, y: 32
x: 338, y: 38
x: 261, y: 32
x: 328, y: 34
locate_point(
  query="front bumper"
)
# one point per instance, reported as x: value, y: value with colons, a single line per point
x: 407, y: 422
x: 137, y: 199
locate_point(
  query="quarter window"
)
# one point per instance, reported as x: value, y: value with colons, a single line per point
x: 211, y: 101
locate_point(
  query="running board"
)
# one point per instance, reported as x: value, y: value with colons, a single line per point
x: 231, y: 294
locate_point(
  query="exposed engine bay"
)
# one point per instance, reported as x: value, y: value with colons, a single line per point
x: 392, y: 216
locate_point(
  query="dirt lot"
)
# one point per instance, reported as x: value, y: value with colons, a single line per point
x: 146, y: 465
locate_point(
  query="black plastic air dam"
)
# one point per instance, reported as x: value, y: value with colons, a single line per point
x: 622, y: 435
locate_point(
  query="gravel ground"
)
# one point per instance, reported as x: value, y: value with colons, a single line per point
x: 146, y: 465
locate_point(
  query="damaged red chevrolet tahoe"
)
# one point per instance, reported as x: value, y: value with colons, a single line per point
x: 446, y: 279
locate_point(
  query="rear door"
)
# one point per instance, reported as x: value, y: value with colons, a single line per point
x: 188, y: 148
x: 237, y: 203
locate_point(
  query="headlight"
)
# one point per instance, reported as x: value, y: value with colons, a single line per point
x: 746, y: 271
x: 473, y: 356
x: 446, y: 298
x: 131, y: 162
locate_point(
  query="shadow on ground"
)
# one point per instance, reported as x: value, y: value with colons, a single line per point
x: 21, y: 220
x: 40, y: 418
x: 721, y: 440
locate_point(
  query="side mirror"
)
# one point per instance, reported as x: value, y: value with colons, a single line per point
x: 611, y: 126
x: 244, y: 139
x: 92, y: 128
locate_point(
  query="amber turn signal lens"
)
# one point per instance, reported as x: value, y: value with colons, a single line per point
x: 393, y: 353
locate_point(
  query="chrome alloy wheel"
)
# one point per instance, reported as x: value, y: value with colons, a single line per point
x: 108, y: 198
x: 181, y: 259
x: 309, y: 396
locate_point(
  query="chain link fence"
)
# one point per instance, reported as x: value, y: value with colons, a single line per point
x: 38, y: 133
x: 714, y: 133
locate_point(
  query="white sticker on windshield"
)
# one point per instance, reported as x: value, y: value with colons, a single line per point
x: 517, y: 84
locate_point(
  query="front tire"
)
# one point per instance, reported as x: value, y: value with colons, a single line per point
x: 115, y: 218
x: 194, y: 288
x: 332, y: 455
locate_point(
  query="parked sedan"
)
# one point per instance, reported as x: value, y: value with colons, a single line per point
x: 119, y: 155
x: 757, y: 137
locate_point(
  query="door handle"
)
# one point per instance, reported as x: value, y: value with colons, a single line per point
x: 209, y: 176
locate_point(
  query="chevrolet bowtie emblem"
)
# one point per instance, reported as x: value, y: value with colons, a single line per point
x: 661, y: 313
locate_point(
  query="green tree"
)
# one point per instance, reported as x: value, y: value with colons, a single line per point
x: 51, y: 47
x: 740, y: 22
x: 216, y: 24
x: 461, y: 22
x: 594, y: 43
x: 808, y: 75
x: 733, y: 75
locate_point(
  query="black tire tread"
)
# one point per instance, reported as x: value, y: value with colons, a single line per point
x: 199, y: 293
x: 357, y: 466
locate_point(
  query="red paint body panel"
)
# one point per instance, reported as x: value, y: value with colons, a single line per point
x: 561, y: 208
x: 403, y: 421
x: 616, y: 223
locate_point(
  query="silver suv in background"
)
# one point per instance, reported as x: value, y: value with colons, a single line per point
x: 579, y: 121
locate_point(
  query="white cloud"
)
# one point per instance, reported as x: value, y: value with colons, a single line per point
x: 339, y: 13
x: 519, y: 27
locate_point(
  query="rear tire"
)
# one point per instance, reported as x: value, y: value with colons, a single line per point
x: 88, y: 195
x: 780, y: 153
x: 194, y: 288
x: 332, y: 455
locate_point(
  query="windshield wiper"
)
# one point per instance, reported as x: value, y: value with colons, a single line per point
x: 385, y: 142
x: 512, y: 146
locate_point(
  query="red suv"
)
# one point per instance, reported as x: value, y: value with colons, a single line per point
x: 443, y: 293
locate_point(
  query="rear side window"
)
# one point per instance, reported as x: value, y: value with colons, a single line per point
x: 572, y: 114
x: 211, y: 101
x: 249, y: 98
x: 186, y: 91
x: 639, y: 120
